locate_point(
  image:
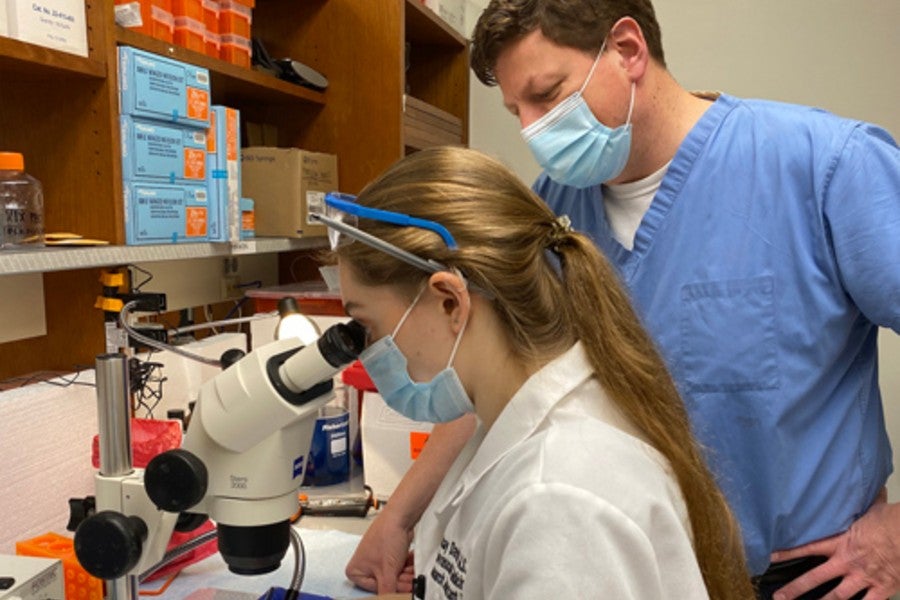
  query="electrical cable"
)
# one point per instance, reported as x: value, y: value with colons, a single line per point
x: 137, y: 288
x: 178, y: 551
x: 50, y: 377
x: 207, y: 312
x: 147, y: 341
x: 293, y: 591
x: 222, y: 323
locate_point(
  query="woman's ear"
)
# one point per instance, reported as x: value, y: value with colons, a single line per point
x: 453, y: 295
x: 627, y: 39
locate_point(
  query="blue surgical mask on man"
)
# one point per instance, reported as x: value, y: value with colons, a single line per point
x: 574, y: 147
x: 440, y: 400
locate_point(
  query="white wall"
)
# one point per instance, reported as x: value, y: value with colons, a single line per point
x: 836, y: 54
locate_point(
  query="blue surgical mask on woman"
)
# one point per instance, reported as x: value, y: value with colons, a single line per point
x: 440, y: 400
x: 574, y: 147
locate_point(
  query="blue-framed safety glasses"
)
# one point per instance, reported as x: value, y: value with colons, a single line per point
x: 345, y: 208
x: 342, y: 214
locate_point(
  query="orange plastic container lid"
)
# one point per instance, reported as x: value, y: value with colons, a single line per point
x: 12, y: 161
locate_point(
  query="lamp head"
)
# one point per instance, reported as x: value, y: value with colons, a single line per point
x: 295, y: 324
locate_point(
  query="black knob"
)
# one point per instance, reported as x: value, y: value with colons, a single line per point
x: 175, y: 480
x: 109, y: 544
x: 229, y: 357
x: 79, y: 510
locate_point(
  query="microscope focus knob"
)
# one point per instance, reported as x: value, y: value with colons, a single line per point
x: 175, y: 480
x: 229, y: 357
x: 109, y: 544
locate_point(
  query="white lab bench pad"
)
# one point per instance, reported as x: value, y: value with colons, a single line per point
x: 46, y: 447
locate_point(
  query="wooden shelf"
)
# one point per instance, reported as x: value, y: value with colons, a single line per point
x: 21, y: 61
x: 42, y: 260
x: 61, y: 112
x: 423, y: 26
x: 230, y: 83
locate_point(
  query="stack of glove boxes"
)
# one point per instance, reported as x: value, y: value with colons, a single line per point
x: 180, y: 155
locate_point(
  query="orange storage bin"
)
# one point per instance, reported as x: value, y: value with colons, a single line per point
x: 156, y: 18
x: 235, y: 49
x: 235, y: 18
x: 192, y: 9
x: 213, y: 44
x: 313, y: 298
x: 190, y: 33
x: 211, y: 21
x: 79, y: 584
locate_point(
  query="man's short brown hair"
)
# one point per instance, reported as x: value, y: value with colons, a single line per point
x: 582, y: 24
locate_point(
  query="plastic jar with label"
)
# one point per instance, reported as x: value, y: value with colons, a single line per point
x: 21, y: 204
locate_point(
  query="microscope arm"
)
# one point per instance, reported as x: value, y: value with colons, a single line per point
x: 241, y: 463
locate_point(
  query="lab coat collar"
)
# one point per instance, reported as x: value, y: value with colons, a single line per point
x: 522, y: 416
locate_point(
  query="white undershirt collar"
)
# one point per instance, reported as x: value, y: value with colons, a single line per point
x: 627, y: 203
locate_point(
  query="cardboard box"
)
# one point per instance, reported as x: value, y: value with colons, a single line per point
x: 34, y: 578
x: 157, y: 213
x: 57, y: 24
x: 223, y: 162
x: 162, y: 152
x: 425, y: 125
x: 154, y: 87
x: 390, y: 444
x: 285, y: 184
x: 453, y: 12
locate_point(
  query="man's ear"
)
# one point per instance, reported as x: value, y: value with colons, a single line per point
x: 627, y: 39
x: 455, y: 301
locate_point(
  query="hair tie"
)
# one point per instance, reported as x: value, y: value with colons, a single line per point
x: 559, y: 229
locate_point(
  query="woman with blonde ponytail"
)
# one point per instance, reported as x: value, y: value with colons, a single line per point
x: 582, y: 479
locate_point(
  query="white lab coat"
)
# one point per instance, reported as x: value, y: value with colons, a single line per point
x: 560, y: 499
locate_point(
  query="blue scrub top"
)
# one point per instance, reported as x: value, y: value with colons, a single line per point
x: 763, y: 268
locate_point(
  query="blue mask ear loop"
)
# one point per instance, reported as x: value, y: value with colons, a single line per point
x: 465, y: 322
x: 593, y: 67
x: 409, y: 310
x: 416, y: 300
x: 591, y: 74
x: 630, y: 105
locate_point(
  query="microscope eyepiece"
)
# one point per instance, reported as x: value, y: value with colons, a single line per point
x: 342, y: 343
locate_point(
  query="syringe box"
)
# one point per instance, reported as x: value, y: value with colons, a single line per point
x: 162, y: 151
x: 157, y: 213
x: 154, y: 87
x: 33, y: 578
x: 223, y: 168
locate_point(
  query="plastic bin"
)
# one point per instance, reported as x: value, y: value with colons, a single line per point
x: 235, y: 18
x: 211, y: 21
x: 235, y: 49
x: 156, y: 19
x: 79, y: 584
x: 313, y: 298
x: 190, y: 33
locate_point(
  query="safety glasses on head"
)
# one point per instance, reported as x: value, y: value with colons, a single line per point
x: 346, y: 209
x: 342, y: 213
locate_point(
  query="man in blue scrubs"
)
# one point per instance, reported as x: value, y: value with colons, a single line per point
x: 761, y: 245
